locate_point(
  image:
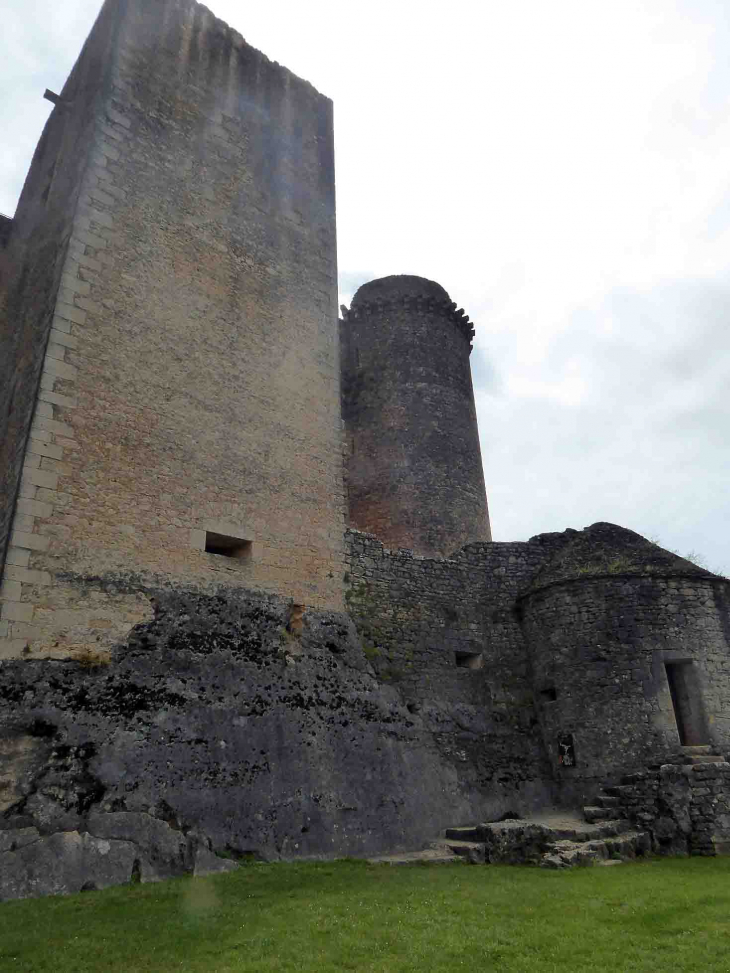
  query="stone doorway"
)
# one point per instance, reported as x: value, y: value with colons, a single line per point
x: 687, y: 703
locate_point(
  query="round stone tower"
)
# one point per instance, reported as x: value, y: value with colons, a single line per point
x: 414, y: 468
x: 626, y: 643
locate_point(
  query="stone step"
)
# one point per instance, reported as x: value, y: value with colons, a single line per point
x: 698, y: 748
x: 553, y: 838
x: 437, y: 854
x: 629, y: 844
x: 472, y: 851
x: 593, y: 813
x: 526, y: 840
x: 703, y: 758
x: 612, y: 828
x: 623, y: 847
x: 466, y: 833
x: 562, y: 861
x: 604, y: 800
x: 568, y: 854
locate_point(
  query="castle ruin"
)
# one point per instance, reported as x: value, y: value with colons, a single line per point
x: 250, y: 600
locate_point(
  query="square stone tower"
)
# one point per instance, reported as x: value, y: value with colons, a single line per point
x: 170, y: 408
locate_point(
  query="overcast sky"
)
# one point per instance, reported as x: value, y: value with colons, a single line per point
x: 563, y: 170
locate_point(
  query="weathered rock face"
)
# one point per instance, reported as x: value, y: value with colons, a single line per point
x: 73, y: 861
x: 215, y: 729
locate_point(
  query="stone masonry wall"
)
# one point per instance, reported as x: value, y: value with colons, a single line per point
x: 195, y: 382
x: 599, y: 649
x: 414, y: 469
x: 36, y: 314
x: 424, y: 622
x: 6, y: 225
x: 685, y: 808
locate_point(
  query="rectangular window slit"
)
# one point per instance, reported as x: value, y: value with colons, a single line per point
x: 469, y: 660
x: 549, y: 694
x: 226, y: 546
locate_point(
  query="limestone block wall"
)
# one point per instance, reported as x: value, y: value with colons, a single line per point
x: 191, y: 386
x: 33, y: 305
x: 446, y: 634
x: 600, y: 650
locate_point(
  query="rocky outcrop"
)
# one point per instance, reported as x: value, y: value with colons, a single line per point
x: 77, y: 861
x: 219, y: 731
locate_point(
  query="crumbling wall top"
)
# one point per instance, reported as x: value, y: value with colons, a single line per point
x: 398, y: 286
x: 605, y: 549
x: 406, y: 292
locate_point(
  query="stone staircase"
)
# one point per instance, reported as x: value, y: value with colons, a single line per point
x: 607, y: 807
x: 701, y: 755
x: 680, y: 807
x: 554, y: 839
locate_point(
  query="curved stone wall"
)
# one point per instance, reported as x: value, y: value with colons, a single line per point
x: 414, y: 467
x: 601, y: 650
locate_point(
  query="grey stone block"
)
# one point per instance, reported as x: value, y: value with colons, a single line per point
x: 165, y: 849
x: 65, y: 862
x: 206, y: 863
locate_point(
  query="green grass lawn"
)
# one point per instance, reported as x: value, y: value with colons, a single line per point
x: 668, y: 914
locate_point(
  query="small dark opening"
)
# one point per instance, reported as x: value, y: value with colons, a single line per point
x: 687, y: 704
x: 225, y: 546
x: 566, y: 750
x: 468, y: 660
x: 549, y: 694
x: 295, y: 622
